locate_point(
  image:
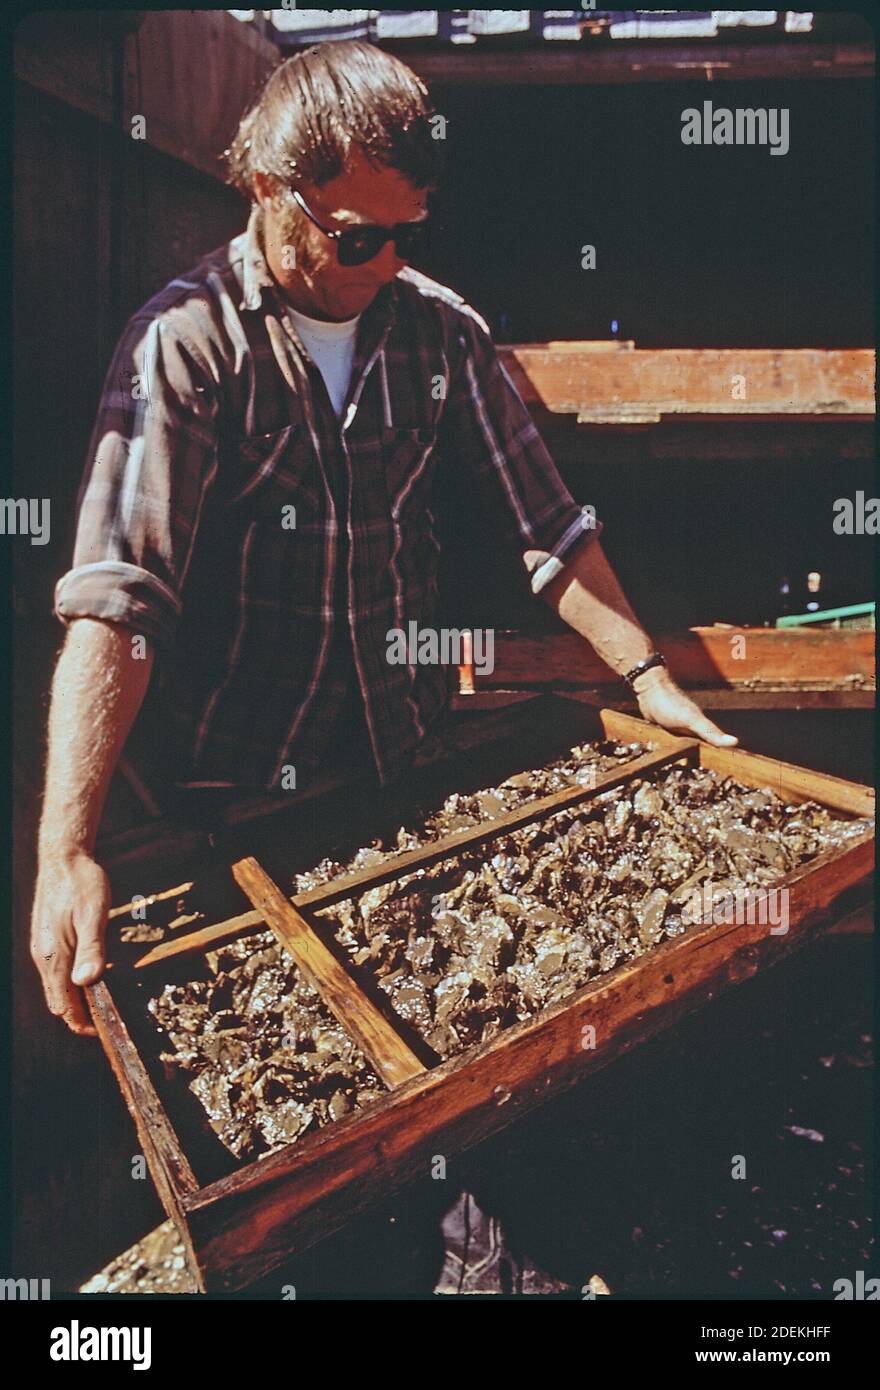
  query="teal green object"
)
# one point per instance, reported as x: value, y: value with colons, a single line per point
x: 855, y: 615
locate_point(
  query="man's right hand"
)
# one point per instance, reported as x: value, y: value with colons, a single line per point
x: 69, y: 918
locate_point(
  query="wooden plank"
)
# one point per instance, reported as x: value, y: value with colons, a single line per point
x: 712, y: 656
x: 204, y: 939
x: 126, y: 909
x: 628, y: 729
x: 754, y: 770
x: 793, y: 697
x: 190, y: 73
x: 647, y: 385
x: 70, y: 61
x: 423, y: 856
x: 789, y: 781
x: 193, y: 74
x: 349, y: 885
x: 167, y: 1162
x: 247, y: 1224
x: 619, y: 61
x: 385, y: 1049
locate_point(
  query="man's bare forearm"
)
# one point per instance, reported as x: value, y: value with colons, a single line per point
x: 589, y: 598
x: 98, y: 689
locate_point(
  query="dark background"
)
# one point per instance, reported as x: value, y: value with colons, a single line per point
x: 697, y: 246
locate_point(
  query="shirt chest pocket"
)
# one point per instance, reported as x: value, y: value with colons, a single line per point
x: 408, y: 461
x: 274, y: 471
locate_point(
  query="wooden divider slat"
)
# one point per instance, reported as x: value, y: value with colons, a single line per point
x: 616, y: 724
x: 789, y: 781
x: 385, y: 1049
x: 168, y: 1163
x: 697, y: 656
x: 349, y: 885
x: 180, y: 891
x: 755, y: 769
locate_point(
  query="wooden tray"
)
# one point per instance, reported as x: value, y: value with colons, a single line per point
x: 239, y: 1221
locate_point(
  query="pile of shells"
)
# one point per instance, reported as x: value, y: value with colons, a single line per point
x: 264, y: 1056
x: 268, y: 1060
x: 155, y: 1264
x: 481, y: 940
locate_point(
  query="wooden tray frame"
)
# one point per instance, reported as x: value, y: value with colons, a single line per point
x: 239, y: 1228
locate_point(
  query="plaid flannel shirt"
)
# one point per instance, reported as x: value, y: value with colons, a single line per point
x: 266, y: 548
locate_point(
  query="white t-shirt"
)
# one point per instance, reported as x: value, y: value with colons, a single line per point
x: 331, y: 347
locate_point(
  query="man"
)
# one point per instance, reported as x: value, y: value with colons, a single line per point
x: 256, y: 513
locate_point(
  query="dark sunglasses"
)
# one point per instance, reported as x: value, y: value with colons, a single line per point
x: 357, y: 245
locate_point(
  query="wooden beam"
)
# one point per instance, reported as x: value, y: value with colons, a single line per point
x: 622, y: 61
x: 61, y: 55
x: 755, y: 770
x: 644, y: 386
x: 168, y: 1163
x: 748, y: 697
x: 190, y: 73
x: 383, y: 1047
x: 715, y: 657
x: 126, y: 910
x: 786, y: 780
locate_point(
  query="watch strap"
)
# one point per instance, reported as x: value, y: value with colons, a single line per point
x: 647, y: 664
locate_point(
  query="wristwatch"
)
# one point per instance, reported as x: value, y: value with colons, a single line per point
x: 647, y: 664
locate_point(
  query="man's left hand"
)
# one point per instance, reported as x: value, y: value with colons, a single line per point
x: 661, y: 702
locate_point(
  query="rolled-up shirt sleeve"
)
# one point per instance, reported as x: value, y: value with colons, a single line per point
x: 152, y: 458
x: 488, y: 427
